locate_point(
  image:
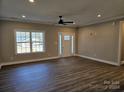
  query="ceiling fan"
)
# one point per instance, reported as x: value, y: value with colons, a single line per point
x: 62, y: 22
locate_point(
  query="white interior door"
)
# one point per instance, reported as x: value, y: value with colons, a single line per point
x: 66, y: 44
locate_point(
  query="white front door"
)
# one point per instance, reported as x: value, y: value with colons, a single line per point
x: 66, y: 45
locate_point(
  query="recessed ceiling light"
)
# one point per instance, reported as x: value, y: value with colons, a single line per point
x: 31, y: 1
x: 23, y: 16
x: 98, y: 15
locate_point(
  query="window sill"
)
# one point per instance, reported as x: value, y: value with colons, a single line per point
x: 29, y: 53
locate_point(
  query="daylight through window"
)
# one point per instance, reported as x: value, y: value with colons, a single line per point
x: 29, y: 42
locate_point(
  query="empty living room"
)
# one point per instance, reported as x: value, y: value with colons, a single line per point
x: 61, y: 45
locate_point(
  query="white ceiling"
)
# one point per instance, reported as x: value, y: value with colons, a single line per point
x: 83, y: 12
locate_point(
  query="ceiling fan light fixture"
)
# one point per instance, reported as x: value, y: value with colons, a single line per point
x: 99, y: 15
x: 31, y: 1
x: 23, y: 16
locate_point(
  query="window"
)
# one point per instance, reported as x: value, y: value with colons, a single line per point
x: 23, y: 42
x: 60, y: 43
x: 37, y: 42
x: 67, y: 37
x: 29, y: 42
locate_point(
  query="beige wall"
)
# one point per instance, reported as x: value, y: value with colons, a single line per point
x: 99, y: 41
x: 76, y: 41
x: 96, y: 41
x: 8, y: 44
x: 0, y: 44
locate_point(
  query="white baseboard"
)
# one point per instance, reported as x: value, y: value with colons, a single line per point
x: 67, y: 56
x: 27, y: 61
x: 33, y: 60
x: 99, y: 60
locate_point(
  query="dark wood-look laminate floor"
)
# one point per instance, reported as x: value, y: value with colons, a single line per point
x: 65, y: 74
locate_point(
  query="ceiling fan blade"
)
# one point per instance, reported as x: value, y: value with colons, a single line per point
x: 62, y: 22
x: 69, y: 22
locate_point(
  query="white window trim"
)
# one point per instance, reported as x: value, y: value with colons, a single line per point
x: 28, y: 30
